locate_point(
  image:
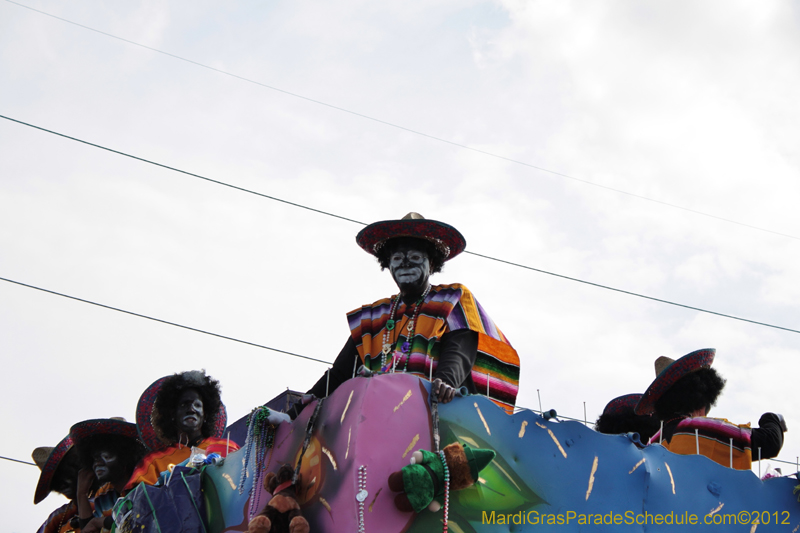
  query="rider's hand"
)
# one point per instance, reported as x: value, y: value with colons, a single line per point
x: 443, y: 392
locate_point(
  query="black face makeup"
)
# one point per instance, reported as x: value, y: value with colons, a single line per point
x: 189, y: 414
x: 410, y: 267
x: 106, y: 465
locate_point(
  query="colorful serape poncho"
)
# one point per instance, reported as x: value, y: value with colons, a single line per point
x: 714, y: 439
x: 104, y: 503
x: 446, y: 308
x: 58, y: 521
x: 149, y: 469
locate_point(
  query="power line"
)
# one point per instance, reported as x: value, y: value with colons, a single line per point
x: 327, y: 213
x: 633, y: 293
x: 17, y: 461
x: 409, y: 130
x: 182, y: 171
x: 164, y: 321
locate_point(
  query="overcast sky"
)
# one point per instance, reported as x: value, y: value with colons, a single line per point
x: 691, y: 104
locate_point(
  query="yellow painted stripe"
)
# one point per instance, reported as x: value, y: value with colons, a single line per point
x: 671, y: 479
x: 716, y: 509
x: 411, y: 446
x: 483, y: 419
x: 637, y: 465
x: 347, y: 406
x: 591, y: 478
x: 399, y: 405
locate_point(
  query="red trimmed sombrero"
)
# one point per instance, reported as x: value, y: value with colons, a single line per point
x: 102, y: 426
x: 622, y: 404
x: 668, y: 372
x: 447, y: 239
x: 144, y: 420
x: 47, y: 459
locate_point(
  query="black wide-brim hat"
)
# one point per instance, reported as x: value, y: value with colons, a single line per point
x: 144, y: 417
x: 622, y: 404
x: 47, y: 459
x: 447, y: 239
x: 102, y: 426
x: 668, y: 372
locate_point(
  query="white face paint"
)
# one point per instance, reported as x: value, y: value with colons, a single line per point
x: 410, y: 268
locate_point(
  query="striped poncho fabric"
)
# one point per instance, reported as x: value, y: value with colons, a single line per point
x: 59, y: 520
x: 446, y: 308
x: 713, y: 438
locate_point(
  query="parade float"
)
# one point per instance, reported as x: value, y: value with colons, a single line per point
x: 546, y: 474
x: 345, y: 462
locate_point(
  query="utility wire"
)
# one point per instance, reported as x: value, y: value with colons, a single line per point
x: 633, y: 293
x: 164, y: 321
x: 17, y: 461
x: 364, y: 224
x: 415, y: 132
x: 182, y: 171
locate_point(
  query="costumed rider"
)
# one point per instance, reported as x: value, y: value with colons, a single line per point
x: 175, y: 414
x: 681, y: 396
x: 59, y: 467
x: 438, y: 331
x: 108, y: 448
x: 619, y: 417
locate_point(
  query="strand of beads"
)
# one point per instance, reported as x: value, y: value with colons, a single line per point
x: 264, y: 436
x: 390, y: 324
x: 64, y: 515
x: 248, y: 448
x: 361, y: 496
x: 446, y: 489
x: 260, y: 437
x: 405, y: 350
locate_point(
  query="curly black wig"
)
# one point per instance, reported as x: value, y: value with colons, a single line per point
x: 627, y: 422
x: 435, y: 257
x: 163, y: 418
x: 693, y: 391
x: 128, y: 450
